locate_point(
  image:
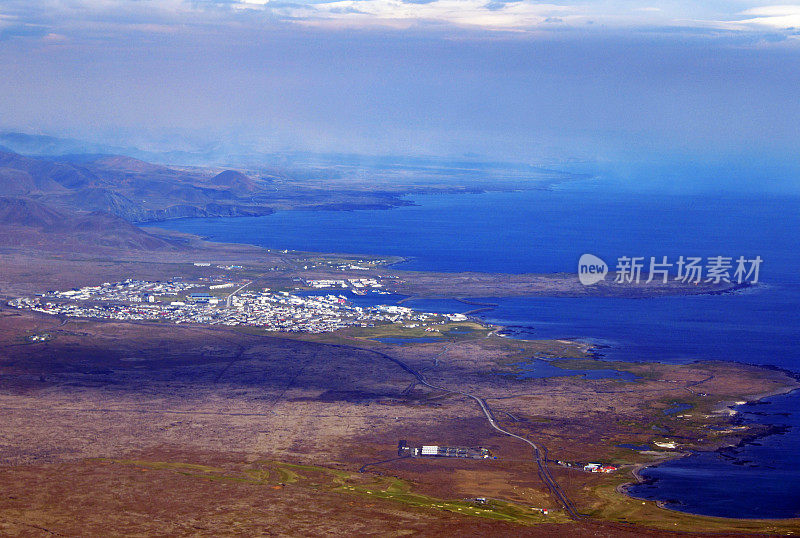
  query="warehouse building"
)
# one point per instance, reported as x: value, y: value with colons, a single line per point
x: 437, y: 451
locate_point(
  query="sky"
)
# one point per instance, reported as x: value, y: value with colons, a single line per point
x: 515, y: 80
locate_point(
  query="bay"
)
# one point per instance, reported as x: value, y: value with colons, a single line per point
x: 542, y: 231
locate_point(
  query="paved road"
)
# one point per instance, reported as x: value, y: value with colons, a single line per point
x: 539, y: 452
x: 231, y: 294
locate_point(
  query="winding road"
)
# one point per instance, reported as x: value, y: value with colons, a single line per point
x: 539, y: 451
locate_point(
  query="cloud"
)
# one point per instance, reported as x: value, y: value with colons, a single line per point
x: 522, y: 15
x: 469, y: 13
x: 96, y: 18
x: 488, y: 76
x: 778, y: 17
x: 54, y: 38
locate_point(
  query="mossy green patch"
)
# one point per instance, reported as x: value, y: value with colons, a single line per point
x: 279, y: 474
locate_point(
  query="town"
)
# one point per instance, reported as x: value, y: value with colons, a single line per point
x: 228, y: 303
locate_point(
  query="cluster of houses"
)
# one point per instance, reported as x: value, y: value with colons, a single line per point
x: 599, y: 468
x: 355, y: 284
x: 130, y: 290
x: 351, y: 265
x: 226, y: 267
x: 590, y: 467
x: 173, y: 302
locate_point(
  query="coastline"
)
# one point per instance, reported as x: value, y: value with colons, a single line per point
x: 723, y: 407
x: 770, y: 430
x: 720, y: 407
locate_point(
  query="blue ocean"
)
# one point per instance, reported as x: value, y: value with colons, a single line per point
x: 545, y: 231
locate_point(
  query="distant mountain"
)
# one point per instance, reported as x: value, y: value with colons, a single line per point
x: 128, y: 164
x: 57, y: 147
x: 135, y: 190
x: 102, y: 199
x: 43, y: 145
x: 19, y: 182
x: 45, y: 173
x: 26, y: 212
x: 27, y: 223
x: 98, y: 178
x: 235, y: 181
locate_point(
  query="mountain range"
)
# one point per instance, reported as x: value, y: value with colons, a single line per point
x: 30, y: 224
x: 135, y: 190
x: 102, y: 190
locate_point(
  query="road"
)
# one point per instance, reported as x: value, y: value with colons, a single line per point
x: 234, y: 292
x: 539, y: 452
